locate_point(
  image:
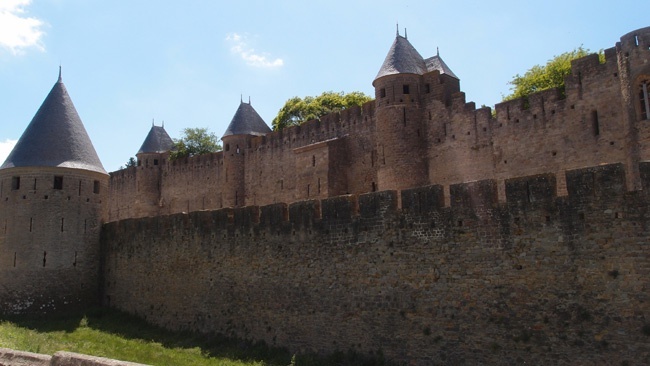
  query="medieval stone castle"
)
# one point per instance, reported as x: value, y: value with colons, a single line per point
x: 416, y: 225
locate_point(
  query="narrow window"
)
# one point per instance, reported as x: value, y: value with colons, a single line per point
x: 227, y: 147
x: 382, y: 93
x: 644, y: 99
x: 236, y: 199
x: 80, y: 188
x: 85, y: 225
x: 31, y: 224
x: 427, y: 88
x: 281, y: 184
x: 15, y: 183
x: 139, y: 162
x: 307, y: 190
x: 237, y: 149
x: 58, y: 182
x: 96, y: 187
x: 34, y: 183
x: 595, y: 124
x: 62, y: 220
x: 74, y: 264
x: 374, y: 186
x: 318, y: 185
x: 14, y: 259
x: 313, y: 160
x: 44, y: 258
x: 406, y: 89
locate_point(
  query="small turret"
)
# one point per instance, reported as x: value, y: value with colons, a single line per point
x: 52, y: 197
x: 148, y: 174
x: 245, y: 125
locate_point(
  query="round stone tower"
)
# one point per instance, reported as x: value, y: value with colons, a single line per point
x: 151, y: 157
x: 400, y: 130
x: 52, y: 196
x: 236, y: 142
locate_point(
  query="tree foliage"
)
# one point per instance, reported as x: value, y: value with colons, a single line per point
x: 298, y: 110
x: 195, y: 141
x: 131, y: 162
x: 548, y: 76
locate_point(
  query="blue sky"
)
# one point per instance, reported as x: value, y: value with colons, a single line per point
x: 126, y: 63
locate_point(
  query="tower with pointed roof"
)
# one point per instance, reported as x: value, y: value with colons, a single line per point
x: 245, y: 124
x: 151, y: 157
x: 52, y: 188
x: 407, y: 89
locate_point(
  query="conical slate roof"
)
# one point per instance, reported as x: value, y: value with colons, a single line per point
x: 436, y: 63
x: 157, y: 141
x: 402, y: 58
x: 247, y: 122
x: 55, y: 137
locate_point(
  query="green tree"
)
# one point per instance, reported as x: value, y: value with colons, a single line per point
x: 551, y: 75
x: 131, y: 162
x: 298, y: 110
x: 195, y: 141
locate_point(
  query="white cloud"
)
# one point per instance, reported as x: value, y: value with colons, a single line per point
x: 249, y: 55
x: 17, y: 30
x: 5, y: 148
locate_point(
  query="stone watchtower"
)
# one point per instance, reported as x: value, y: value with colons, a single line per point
x: 151, y: 158
x: 407, y: 87
x: 52, y: 194
x: 245, y: 125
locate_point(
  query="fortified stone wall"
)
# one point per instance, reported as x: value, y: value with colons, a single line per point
x: 536, y: 279
x: 429, y: 136
x: 318, y: 159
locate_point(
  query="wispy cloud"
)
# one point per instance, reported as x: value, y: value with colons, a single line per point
x: 17, y: 30
x: 248, y: 54
x: 5, y: 148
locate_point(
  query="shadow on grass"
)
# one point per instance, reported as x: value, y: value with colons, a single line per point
x: 213, y: 345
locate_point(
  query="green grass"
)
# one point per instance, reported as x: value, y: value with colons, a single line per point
x: 112, y: 334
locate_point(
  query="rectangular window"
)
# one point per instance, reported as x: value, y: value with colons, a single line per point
x: 595, y: 124
x: 406, y: 89
x: 382, y: 92
x: 58, y: 182
x: 427, y: 88
x: 15, y: 183
x: 96, y: 187
x: 645, y: 101
x: 155, y: 161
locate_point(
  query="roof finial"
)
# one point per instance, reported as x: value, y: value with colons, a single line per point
x: 152, y: 123
x: 437, y: 51
x: 241, y: 98
x: 163, y: 124
x: 60, y: 73
x: 405, y: 35
x: 249, y: 100
x: 397, y: 29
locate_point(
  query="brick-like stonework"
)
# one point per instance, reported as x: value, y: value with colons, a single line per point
x: 538, y: 279
x: 416, y: 224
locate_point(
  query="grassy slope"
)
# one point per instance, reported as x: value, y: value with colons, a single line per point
x: 112, y: 334
x: 119, y: 336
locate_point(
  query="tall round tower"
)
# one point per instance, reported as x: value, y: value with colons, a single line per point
x: 400, y: 130
x: 236, y: 142
x: 52, y: 192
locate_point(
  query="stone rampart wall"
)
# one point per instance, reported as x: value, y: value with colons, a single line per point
x: 536, y: 279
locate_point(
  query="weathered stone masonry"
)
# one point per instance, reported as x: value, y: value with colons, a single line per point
x: 536, y: 279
